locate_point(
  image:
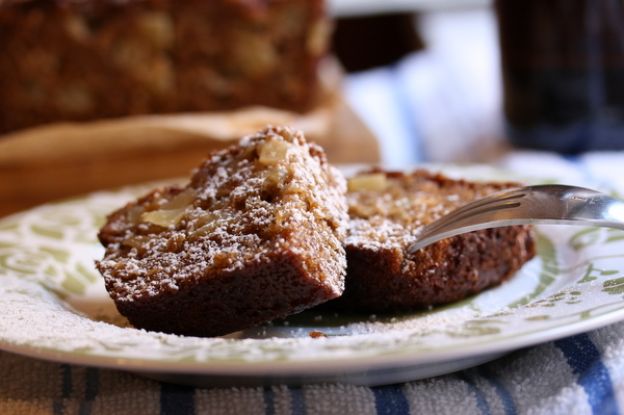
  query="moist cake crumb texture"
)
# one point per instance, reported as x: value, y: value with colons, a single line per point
x: 387, y: 211
x: 255, y: 235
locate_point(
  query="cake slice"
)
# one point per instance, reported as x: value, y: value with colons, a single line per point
x: 256, y: 235
x: 78, y: 60
x: 387, y: 209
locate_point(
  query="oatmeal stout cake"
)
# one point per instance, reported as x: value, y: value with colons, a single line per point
x: 386, y: 209
x: 85, y: 59
x: 255, y: 235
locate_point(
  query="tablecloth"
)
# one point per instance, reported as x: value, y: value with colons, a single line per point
x: 579, y: 375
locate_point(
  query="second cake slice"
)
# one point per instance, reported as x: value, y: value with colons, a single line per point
x: 388, y: 209
x: 255, y: 236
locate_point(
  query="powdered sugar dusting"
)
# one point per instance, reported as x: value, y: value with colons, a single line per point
x: 392, y: 218
x: 237, y: 209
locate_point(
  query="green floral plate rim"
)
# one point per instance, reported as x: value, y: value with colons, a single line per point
x: 54, y: 306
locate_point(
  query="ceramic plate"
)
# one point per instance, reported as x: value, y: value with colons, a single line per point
x: 54, y: 306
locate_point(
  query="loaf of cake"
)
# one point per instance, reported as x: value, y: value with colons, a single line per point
x: 256, y: 235
x: 81, y: 60
x: 386, y: 211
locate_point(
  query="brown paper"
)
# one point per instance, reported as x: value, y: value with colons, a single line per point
x: 62, y: 160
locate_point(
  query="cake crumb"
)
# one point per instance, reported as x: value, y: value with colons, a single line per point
x: 256, y: 220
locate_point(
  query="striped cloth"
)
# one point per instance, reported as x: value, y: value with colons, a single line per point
x: 583, y: 374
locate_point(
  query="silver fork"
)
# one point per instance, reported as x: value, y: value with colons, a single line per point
x: 550, y: 204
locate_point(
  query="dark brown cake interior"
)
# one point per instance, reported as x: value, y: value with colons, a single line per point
x: 256, y: 235
x: 387, y: 210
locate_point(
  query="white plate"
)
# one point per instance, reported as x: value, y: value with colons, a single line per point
x: 54, y: 306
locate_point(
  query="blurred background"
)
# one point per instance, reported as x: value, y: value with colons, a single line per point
x: 434, y: 95
x: 485, y: 75
x: 94, y: 95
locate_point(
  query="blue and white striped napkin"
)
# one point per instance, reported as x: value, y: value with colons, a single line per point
x: 583, y: 374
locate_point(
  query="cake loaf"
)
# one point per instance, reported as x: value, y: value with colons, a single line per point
x: 256, y: 235
x: 387, y: 209
x: 80, y: 60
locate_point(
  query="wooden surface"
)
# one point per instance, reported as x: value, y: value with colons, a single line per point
x: 64, y: 160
